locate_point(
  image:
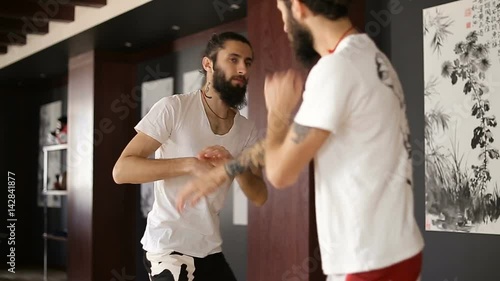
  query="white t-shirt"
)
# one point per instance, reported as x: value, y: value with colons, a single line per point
x: 363, y: 172
x: 180, y: 123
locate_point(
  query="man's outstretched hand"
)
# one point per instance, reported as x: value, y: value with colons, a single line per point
x: 200, y: 186
x: 206, y: 181
x: 216, y: 155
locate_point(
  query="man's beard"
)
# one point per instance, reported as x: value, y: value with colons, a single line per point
x: 302, y: 43
x: 232, y: 96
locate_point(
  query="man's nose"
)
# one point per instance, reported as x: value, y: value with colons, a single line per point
x: 242, y: 69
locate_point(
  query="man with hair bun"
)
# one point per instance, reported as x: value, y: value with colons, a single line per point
x: 190, y: 134
x: 352, y: 123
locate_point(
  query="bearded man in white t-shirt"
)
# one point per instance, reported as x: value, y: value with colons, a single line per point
x: 192, y: 133
x: 352, y: 123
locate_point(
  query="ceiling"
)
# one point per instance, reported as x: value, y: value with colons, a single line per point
x: 146, y: 26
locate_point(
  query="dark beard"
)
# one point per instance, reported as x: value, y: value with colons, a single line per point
x: 303, y: 44
x: 232, y: 96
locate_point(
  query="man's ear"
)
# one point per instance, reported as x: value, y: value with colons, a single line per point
x: 207, y: 64
x: 299, y: 10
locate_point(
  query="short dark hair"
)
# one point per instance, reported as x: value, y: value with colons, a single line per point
x: 216, y: 43
x: 330, y: 9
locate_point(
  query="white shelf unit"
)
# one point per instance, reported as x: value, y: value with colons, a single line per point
x: 50, y: 192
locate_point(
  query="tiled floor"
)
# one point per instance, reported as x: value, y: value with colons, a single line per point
x: 32, y: 274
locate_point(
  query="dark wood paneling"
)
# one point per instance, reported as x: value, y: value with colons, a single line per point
x: 114, y: 205
x: 101, y: 214
x: 20, y: 156
x: 357, y: 13
x: 279, y: 232
x: 12, y: 38
x: 80, y: 166
x: 23, y: 26
x: 88, y: 3
x: 40, y: 11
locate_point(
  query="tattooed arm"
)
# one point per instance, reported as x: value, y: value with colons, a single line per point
x: 288, y: 154
x: 284, y: 153
x: 251, y: 158
x: 254, y: 157
x: 249, y: 162
x: 251, y: 180
x: 285, y: 150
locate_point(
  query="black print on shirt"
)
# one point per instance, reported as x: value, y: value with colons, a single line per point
x: 388, y: 77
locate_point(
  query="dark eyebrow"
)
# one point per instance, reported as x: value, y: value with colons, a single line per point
x: 239, y: 56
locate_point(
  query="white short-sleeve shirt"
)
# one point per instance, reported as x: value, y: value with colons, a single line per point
x: 181, y: 125
x: 363, y: 172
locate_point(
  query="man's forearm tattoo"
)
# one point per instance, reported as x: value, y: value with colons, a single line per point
x: 234, y: 168
x: 301, y: 132
x: 252, y: 157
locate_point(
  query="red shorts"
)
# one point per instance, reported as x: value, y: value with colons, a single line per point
x: 407, y: 270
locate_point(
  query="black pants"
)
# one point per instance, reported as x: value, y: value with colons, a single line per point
x: 210, y: 268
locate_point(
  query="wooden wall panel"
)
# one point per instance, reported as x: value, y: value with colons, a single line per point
x: 278, y: 232
x: 101, y: 218
x: 80, y: 166
x: 114, y: 206
x: 357, y: 14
